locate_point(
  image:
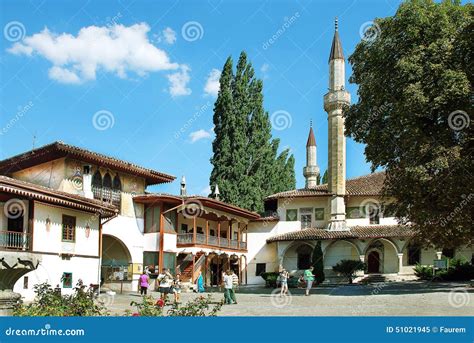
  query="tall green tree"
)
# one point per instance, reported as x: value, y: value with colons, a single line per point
x: 246, y: 163
x: 414, y: 73
x: 318, y: 263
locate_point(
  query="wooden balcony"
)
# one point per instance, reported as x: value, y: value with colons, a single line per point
x: 199, y: 239
x: 11, y: 240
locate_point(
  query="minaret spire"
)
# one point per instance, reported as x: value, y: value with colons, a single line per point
x: 334, y: 102
x: 311, y: 170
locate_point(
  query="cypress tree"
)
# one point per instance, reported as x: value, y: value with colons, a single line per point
x: 318, y: 263
x: 246, y: 163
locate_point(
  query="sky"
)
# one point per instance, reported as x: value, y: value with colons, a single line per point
x: 137, y: 80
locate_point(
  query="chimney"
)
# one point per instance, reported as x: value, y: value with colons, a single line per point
x: 87, y: 182
x: 183, y: 187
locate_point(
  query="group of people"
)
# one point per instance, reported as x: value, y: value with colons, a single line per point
x: 307, y: 277
x: 167, y: 284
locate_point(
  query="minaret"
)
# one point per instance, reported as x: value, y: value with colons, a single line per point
x: 311, y: 170
x: 182, y: 191
x: 334, y: 102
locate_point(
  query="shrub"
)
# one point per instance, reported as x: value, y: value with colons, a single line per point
x: 423, y: 272
x: 458, y: 270
x: 348, y: 268
x: 270, y: 279
x: 48, y: 302
x: 318, y: 264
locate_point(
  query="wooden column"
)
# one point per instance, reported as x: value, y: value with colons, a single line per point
x: 219, y: 233
x: 194, y: 262
x: 229, y: 233
x: 207, y: 232
x: 238, y: 236
x: 240, y: 270
x: 162, y: 242
x: 205, y: 270
x: 31, y: 221
x: 194, y: 230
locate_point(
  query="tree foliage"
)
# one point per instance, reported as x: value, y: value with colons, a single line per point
x: 246, y: 163
x: 348, y: 268
x: 414, y: 77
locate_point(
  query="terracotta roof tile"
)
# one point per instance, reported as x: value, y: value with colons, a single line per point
x: 361, y: 232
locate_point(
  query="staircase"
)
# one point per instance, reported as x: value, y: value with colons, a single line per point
x: 187, y: 272
x: 372, y: 278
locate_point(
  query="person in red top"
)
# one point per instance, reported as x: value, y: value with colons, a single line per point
x: 143, y: 280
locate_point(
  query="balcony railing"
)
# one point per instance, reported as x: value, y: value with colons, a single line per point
x: 188, y: 238
x: 14, y: 240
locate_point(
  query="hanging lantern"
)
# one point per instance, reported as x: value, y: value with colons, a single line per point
x: 88, y: 230
x: 48, y: 224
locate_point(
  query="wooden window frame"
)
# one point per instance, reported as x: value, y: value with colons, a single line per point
x: 152, y: 209
x: 286, y: 215
x: 73, y: 229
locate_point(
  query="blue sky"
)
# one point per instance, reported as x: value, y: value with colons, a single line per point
x: 136, y: 84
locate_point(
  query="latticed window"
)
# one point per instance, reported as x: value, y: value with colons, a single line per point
x: 97, y: 185
x: 69, y: 228
x: 107, y: 188
x: 116, y: 191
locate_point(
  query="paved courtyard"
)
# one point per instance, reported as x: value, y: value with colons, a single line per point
x: 383, y: 299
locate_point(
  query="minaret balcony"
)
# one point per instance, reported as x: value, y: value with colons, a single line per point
x: 310, y: 171
x: 336, y: 99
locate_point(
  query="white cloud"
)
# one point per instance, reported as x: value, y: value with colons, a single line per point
x: 199, y: 134
x: 169, y: 35
x: 179, y: 82
x: 265, y: 68
x: 115, y: 49
x: 212, y: 83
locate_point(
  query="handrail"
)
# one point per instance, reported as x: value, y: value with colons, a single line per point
x: 14, y: 240
x: 187, y: 238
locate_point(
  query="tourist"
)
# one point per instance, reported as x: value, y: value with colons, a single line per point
x: 200, y: 283
x: 144, y: 283
x: 165, y: 279
x: 177, y: 288
x: 229, y: 294
x: 308, y: 276
x: 284, y: 275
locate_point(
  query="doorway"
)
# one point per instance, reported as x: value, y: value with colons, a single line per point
x: 373, y: 262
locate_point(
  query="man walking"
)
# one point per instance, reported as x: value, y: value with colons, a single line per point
x: 309, y: 278
x: 229, y: 294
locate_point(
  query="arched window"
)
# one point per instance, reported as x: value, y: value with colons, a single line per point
x: 116, y: 191
x: 107, y: 188
x: 303, y: 254
x: 97, y: 185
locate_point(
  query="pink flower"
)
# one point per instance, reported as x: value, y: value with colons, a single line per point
x: 160, y: 303
x: 136, y: 314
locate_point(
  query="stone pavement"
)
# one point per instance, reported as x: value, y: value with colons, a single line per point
x: 382, y: 299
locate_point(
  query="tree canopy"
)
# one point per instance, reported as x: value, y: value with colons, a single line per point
x: 414, y: 73
x: 246, y: 163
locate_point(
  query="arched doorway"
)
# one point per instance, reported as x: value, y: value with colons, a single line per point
x: 116, y: 267
x: 373, y: 262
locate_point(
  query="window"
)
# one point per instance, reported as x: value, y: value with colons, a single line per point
x: 67, y: 280
x: 354, y: 213
x: 260, y: 269
x: 25, y: 282
x: 97, y: 185
x: 319, y: 214
x: 116, y: 191
x: 212, y: 232
x: 152, y: 219
x: 304, y: 256
x: 414, y: 254
x: 184, y: 228
x: 150, y: 261
x: 449, y: 252
x: 107, y: 188
x: 199, y: 230
x: 69, y: 228
x: 291, y: 215
x: 306, y: 217
x: 374, y: 216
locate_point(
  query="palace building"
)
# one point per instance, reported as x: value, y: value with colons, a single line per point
x: 70, y: 214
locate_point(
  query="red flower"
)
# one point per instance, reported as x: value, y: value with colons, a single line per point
x: 136, y: 314
x: 160, y: 303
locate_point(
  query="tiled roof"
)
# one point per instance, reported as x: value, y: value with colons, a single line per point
x: 362, y: 232
x: 370, y: 184
x: 37, y: 192
x: 59, y: 149
x: 336, y: 48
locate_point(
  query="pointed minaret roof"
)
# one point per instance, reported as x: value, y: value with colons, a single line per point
x: 311, y: 141
x: 336, y: 48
